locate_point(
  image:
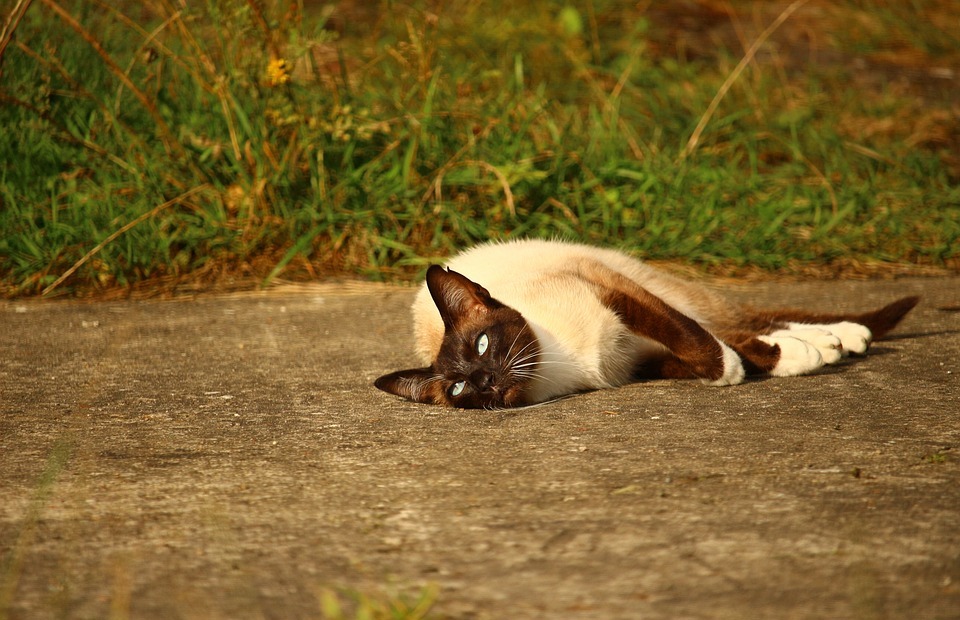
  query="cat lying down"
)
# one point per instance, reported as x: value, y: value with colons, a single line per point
x: 523, y: 322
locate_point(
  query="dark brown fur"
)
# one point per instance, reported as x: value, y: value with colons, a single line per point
x: 467, y: 311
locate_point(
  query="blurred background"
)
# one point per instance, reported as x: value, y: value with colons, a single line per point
x: 166, y: 146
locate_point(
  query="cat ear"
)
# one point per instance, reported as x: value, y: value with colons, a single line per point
x: 457, y: 296
x: 421, y: 385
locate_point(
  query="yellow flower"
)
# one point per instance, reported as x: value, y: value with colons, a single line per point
x: 278, y: 72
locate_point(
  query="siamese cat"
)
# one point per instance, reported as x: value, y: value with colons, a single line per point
x: 524, y: 322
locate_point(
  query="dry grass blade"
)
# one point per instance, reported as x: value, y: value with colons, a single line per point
x: 734, y: 75
x: 168, y: 141
x: 504, y: 183
x: 117, y: 233
x: 148, y: 40
x: 10, y: 25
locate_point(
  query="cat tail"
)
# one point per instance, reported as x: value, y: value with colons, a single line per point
x: 879, y: 322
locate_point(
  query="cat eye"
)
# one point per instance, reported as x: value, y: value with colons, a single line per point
x: 482, y: 344
x: 457, y: 388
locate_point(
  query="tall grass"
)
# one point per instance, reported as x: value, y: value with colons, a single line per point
x: 167, y: 142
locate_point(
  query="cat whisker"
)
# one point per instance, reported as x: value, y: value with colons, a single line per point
x: 524, y: 375
x: 416, y: 389
x: 513, y: 359
x: 528, y: 355
x: 540, y: 362
x: 530, y: 374
x: 526, y: 359
x: 517, y: 337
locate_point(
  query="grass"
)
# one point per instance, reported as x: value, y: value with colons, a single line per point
x: 358, y: 606
x: 153, y: 146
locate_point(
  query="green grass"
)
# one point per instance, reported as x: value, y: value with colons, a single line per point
x: 152, y: 146
x: 358, y: 606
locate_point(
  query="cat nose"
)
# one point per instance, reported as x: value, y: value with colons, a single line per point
x: 482, y: 380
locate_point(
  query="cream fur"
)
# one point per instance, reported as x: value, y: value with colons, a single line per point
x: 585, y: 345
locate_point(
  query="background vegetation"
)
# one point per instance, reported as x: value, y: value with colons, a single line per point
x: 167, y: 145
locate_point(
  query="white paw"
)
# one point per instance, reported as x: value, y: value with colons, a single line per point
x: 854, y: 338
x: 797, y: 357
x: 827, y: 343
x: 733, y: 372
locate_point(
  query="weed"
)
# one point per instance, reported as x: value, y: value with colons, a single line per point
x: 941, y: 455
x: 364, y: 607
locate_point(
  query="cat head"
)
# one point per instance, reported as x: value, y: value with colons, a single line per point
x: 488, y: 355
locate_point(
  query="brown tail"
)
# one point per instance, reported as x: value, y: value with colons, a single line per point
x: 879, y: 322
x: 886, y: 318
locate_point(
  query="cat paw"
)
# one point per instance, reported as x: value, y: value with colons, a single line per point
x: 797, y: 357
x: 733, y: 372
x: 828, y: 344
x: 854, y: 338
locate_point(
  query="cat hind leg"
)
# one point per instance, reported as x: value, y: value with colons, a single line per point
x: 834, y: 341
x: 855, y: 330
x: 799, y: 356
x: 853, y: 337
x: 801, y: 348
x: 803, y: 336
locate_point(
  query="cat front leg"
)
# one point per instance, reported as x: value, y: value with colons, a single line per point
x: 694, y: 351
x: 733, y: 371
x: 796, y: 356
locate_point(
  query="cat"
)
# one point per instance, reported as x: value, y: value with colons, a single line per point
x: 510, y: 324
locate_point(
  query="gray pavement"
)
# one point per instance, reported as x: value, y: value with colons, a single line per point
x: 227, y: 457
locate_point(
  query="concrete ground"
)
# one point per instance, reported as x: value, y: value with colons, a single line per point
x: 227, y: 457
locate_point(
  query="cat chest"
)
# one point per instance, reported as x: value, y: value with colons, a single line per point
x: 591, y: 356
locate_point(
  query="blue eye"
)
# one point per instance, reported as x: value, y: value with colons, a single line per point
x: 457, y: 388
x: 482, y: 343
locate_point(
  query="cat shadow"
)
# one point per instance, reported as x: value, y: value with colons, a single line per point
x: 916, y: 335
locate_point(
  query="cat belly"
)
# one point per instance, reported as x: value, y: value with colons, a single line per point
x: 612, y: 362
x: 633, y: 351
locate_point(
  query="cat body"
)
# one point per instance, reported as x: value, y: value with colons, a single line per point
x: 522, y: 322
x: 583, y: 343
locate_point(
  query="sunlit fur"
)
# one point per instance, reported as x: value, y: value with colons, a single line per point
x: 563, y: 318
x: 583, y: 344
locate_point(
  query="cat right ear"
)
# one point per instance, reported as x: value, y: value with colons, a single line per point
x: 457, y: 296
x: 421, y: 385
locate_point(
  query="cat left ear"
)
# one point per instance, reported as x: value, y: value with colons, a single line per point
x: 456, y: 296
x: 421, y: 385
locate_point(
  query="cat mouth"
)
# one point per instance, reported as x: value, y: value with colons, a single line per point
x: 503, y: 397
